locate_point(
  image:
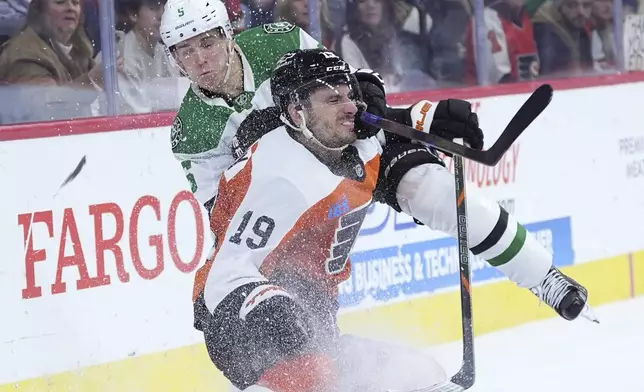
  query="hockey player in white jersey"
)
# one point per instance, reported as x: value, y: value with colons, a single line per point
x: 286, y: 218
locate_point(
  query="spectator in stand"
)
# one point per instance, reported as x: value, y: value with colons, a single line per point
x: 92, y: 23
x: 632, y: 7
x: 412, y: 17
x: 13, y: 14
x: 562, y: 33
x: 512, y: 51
x: 235, y: 14
x: 603, y: 36
x: 257, y: 12
x: 149, y: 83
x: 53, y: 53
x: 447, y: 39
x: 297, y: 13
x: 372, y: 40
x: 338, y: 13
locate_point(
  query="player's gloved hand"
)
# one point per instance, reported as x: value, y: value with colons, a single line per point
x: 258, y: 123
x: 450, y: 119
x: 373, y: 95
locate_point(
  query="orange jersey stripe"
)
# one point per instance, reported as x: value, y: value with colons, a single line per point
x: 304, y: 373
x: 308, y: 246
x: 231, y: 195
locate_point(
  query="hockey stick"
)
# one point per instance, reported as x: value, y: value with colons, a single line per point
x: 528, y: 112
x: 71, y: 177
x: 466, y: 374
x: 464, y: 378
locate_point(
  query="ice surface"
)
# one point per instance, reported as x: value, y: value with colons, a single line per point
x: 557, y: 355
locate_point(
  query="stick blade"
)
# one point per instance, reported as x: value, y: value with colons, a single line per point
x: 73, y: 174
x: 529, y: 111
x: 446, y: 386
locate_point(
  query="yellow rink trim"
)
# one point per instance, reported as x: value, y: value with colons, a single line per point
x: 181, y: 370
x: 496, y: 306
x: 638, y: 272
x: 421, y: 321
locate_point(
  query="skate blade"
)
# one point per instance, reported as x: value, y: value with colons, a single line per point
x: 589, y: 314
x: 446, y: 386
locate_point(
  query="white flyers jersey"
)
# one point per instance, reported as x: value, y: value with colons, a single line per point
x: 280, y: 209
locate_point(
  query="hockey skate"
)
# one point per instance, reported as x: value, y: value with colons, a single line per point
x: 567, y: 297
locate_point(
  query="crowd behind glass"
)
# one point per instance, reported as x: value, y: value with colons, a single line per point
x: 51, y: 60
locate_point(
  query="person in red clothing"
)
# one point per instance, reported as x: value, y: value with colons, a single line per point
x: 512, y: 51
x: 235, y: 14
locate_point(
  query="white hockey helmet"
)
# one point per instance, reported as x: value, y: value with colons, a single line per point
x: 184, y: 19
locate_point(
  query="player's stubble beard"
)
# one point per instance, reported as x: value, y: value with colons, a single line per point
x: 330, y: 133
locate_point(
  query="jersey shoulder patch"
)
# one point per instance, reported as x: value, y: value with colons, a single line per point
x: 278, y: 28
x: 198, y: 126
x: 238, y: 164
x: 176, y: 134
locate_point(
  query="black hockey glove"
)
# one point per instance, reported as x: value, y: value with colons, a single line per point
x: 258, y: 123
x: 454, y: 119
x: 373, y: 95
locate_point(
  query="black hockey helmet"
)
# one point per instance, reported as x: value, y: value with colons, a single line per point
x: 301, y: 71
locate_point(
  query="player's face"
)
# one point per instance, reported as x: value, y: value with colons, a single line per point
x: 577, y: 12
x: 148, y: 20
x: 62, y: 17
x: 370, y: 12
x: 300, y: 12
x: 603, y: 10
x: 205, y: 58
x: 331, y: 115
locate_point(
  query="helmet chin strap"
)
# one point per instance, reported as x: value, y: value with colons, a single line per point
x: 307, y: 132
x: 228, y: 62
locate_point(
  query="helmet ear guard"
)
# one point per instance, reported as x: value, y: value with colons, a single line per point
x: 286, y: 117
x: 169, y: 52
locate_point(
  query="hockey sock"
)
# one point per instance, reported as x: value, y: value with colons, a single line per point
x: 427, y: 193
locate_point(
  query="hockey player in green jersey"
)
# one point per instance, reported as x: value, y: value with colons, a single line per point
x: 230, y: 77
x: 230, y: 80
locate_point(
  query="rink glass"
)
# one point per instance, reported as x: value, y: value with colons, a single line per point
x: 426, y: 53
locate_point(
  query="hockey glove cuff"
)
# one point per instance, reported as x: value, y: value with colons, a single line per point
x: 258, y: 123
x: 373, y: 95
x: 454, y: 119
x: 450, y: 119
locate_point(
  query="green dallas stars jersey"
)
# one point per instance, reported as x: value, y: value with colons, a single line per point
x: 203, y: 129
